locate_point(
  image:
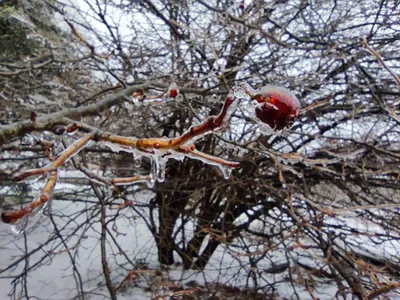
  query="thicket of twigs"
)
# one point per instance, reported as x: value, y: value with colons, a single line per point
x: 315, y: 207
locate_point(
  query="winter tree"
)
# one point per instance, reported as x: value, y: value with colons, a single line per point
x: 199, y: 149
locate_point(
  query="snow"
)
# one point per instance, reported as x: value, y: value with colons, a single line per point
x: 231, y: 265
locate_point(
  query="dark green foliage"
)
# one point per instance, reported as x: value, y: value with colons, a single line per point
x: 14, y: 36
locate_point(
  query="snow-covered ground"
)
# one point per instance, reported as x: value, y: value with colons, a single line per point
x: 52, y: 273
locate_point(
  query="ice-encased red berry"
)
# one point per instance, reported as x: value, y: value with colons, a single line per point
x: 173, y: 93
x: 277, y: 107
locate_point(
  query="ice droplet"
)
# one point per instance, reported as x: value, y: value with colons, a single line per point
x: 117, y: 148
x: 161, y: 169
x: 20, y: 226
x: 137, y: 102
x: 150, y: 183
x: 47, y: 208
x: 71, y: 133
x: 177, y: 155
x: 138, y: 161
x: 265, y: 129
x: 226, y: 171
x: 160, y: 163
x: 153, y: 171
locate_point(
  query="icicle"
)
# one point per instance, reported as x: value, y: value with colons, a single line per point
x: 153, y: 171
x: 161, y: 162
x: 117, y: 148
x: 137, y: 102
x: 20, y: 226
x: 150, y: 183
x: 71, y: 133
x: 47, y: 208
x: 226, y: 171
x: 161, y: 170
x: 109, y: 191
x: 129, y: 108
x: 177, y: 155
x: 138, y: 160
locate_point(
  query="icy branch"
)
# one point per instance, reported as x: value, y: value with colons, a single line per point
x: 271, y: 107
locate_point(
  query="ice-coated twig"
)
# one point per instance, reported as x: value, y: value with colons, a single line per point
x: 172, y: 91
x: 378, y: 56
x: 272, y: 106
x: 11, y: 217
x: 85, y: 42
x: 210, y: 125
x: 183, y: 142
x: 209, y: 159
x: 58, y: 162
x: 112, y: 181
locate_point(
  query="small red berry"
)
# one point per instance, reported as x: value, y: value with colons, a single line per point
x: 277, y: 107
x: 7, y: 217
x: 173, y: 93
x: 173, y: 90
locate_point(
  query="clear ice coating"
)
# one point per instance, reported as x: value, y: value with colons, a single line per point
x: 71, y: 133
x: 117, y: 148
x: 226, y: 171
x: 159, y: 165
x: 20, y: 226
x: 29, y: 179
x: 176, y: 155
x: 161, y: 169
x: 150, y: 182
x: 138, y: 160
x: 273, y: 108
x: 47, y: 208
x: 153, y: 172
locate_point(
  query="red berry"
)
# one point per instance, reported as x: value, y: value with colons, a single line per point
x: 173, y: 93
x: 277, y: 107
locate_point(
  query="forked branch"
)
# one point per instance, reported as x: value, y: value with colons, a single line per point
x: 272, y: 106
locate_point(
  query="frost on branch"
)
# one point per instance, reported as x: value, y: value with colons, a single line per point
x: 272, y: 107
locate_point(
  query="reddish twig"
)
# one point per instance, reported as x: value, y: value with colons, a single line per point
x: 45, y: 195
x: 385, y: 289
x: 274, y: 107
x: 58, y: 162
x: 86, y: 43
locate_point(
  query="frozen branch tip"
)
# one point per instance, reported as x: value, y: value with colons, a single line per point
x: 273, y: 108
